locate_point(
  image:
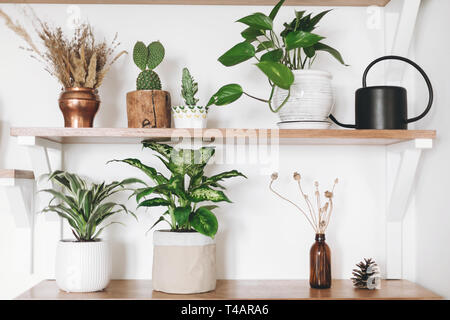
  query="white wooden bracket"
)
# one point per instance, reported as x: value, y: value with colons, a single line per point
x: 402, y: 163
x: 20, y: 196
x: 45, y: 157
x: 407, y: 13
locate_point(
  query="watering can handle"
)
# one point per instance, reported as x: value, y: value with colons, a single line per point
x: 415, y: 65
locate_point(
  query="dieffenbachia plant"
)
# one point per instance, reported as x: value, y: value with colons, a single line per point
x: 84, y: 205
x: 296, y: 48
x: 183, y: 191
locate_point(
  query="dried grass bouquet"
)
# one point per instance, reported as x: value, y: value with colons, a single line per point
x: 76, y: 62
x: 318, y: 215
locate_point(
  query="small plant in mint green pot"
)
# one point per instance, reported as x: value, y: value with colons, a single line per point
x: 190, y: 115
x: 184, y: 257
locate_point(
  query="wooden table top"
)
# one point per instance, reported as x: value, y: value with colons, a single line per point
x: 240, y: 290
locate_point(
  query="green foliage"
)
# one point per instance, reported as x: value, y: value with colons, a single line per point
x: 278, y: 73
x: 84, y: 205
x: 226, y: 95
x: 295, y: 48
x: 148, y: 80
x: 184, y: 189
x: 239, y: 53
x: 189, y: 88
x: 148, y: 58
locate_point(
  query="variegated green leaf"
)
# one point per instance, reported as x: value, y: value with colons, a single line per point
x: 207, y: 194
x: 205, y: 222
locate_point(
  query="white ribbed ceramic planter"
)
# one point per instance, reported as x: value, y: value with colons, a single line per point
x: 311, y: 98
x: 183, y: 262
x: 190, y: 117
x: 83, y: 266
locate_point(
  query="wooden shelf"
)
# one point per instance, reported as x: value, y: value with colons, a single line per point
x: 241, y: 289
x: 358, y: 3
x: 16, y: 174
x: 249, y: 136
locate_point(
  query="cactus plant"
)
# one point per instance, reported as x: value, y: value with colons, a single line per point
x: 148, y: 58
x: 189, y: 88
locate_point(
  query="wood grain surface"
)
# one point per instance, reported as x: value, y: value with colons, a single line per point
x: 241, y: 289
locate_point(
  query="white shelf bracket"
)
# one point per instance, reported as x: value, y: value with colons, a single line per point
x: 45, y: 157
x: 20, y: 196
x: 402, y: 38
x: 402, y: 163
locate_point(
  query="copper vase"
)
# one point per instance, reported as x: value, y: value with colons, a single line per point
x: 320, y: 264
x: 79, y: 106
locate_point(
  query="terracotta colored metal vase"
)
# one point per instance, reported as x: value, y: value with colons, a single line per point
x: 79, y: 106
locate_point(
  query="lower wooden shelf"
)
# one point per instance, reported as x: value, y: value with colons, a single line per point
x: 240, y: 290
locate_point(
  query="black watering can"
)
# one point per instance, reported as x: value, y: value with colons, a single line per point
x: 384, y: 107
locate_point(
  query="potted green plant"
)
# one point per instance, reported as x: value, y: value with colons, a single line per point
x: 80, y: 64
x: 189, y: 115
x: 84, y: 264
x: 148, y: 106
x: 184, y: 258
x: 302, y: 97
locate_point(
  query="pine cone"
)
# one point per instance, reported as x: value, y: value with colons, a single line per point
x: 367, y: 268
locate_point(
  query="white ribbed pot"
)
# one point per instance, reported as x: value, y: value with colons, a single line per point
x: 183, y: 262
x: 190, y: 116
x: 311, y: 98
x: 83, y: 266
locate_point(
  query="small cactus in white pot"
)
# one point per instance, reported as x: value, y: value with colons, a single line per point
x: 190, y: 115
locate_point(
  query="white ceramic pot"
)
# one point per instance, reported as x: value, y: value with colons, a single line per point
x: 183, y: 262
x: 190, y: 117
x: 311, y: 100
x: 83, y: 266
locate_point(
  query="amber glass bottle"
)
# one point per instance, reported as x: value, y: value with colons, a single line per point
x: 320, y: 264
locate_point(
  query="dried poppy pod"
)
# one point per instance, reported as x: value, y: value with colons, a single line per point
x: 297, y: 176
x: 274, y: 176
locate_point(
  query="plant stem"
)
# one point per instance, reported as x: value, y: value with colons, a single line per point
x: 299, y: 208
x: 282, y: 105
x: 259, y: 99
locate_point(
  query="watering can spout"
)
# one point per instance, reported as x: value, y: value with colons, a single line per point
x: 352, y: 126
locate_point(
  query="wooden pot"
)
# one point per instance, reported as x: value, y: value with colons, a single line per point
x: 79, y: 106
x: 148, y: 109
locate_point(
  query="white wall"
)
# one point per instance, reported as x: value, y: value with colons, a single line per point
x: 260, y: 236
x: 432, y: 49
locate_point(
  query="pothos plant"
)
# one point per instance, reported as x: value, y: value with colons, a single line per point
x: 183, y: 191
x: 85, y: 205
x: 295, y: 48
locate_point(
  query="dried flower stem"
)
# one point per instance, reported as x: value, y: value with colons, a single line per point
x: 319, y: 219
x: 300, y: 209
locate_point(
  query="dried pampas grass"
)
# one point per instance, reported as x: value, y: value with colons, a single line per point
x: 76, y: 62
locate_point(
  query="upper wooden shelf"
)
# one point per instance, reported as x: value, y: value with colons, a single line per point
x: 248, y: 136
x: 16, y: 174
x: 358, y: 3
x: 241, y: 289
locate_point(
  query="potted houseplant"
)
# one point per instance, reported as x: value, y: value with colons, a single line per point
x: 190, y: 115
x: 148, y: 106
x: 184, y: 257
x: 80, y: 65
x: 302, y: 97
x: 84, y: 264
